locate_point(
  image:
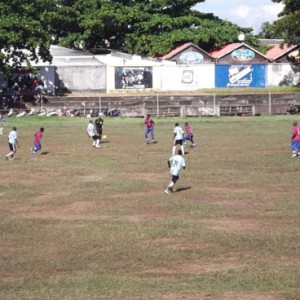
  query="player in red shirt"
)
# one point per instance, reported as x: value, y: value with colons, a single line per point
x: 295, y: 140
x: 149, y: 129
x: 37, y: 141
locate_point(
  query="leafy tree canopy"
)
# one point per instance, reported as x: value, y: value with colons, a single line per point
x: 288, y: 23
x: 23, y: 34
x: 150, y: 27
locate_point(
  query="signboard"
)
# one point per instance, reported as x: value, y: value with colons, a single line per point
x: 191, y: 57
x: 242, y: 55
x: 241, y: 76
x: 133, y: 77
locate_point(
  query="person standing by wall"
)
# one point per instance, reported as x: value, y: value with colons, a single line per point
x: 12, y: 142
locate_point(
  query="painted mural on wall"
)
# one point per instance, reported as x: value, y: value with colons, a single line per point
x: 240, y: 76
x: 191, y: 57
x: 242, y: 55
x: 133, y: 77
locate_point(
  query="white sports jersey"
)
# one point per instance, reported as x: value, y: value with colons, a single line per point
x: 90, y: 130
x: 179, y: 133
x: 12, y: 137
x: 176, y: 161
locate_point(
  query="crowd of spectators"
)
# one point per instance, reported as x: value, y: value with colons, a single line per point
x: 21, y: 88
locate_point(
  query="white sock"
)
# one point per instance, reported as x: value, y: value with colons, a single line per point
x: 182, y: 149
x: 171, y: 184
x: 174, y: 149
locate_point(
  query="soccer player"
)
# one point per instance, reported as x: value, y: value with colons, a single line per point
x: 295, y: 140
x: 91, y: 134
x: 175, y: 163
x: 188, y: 135
x: 12, y: 142
x: 98, y: 123
x: 178, y: 138
x: 149, y: 129
x: 37, y: 141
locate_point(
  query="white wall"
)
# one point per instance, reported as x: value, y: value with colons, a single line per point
x: 82, y: 78
x: 283, y: 74
x: 187, y: 77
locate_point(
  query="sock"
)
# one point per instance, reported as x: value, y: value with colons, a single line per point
x: 182, y: 149
x: 174, y: 149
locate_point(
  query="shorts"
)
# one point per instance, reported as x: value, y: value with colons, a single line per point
x: 295, y: 144
x: 149, y: 130
x: 99, y: 131
x: 37, y: 147
x: 95, y: 137
x: 178, y: 142
x: 175, y: 178
x: 12, y: 147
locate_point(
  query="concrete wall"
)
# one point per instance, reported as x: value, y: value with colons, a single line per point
x: 47, y: 74
x: 187, y: 77
x: 283, y: 74
x: 81, y: 78
x: 164, y: 78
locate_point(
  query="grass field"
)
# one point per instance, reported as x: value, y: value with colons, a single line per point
x: 83, y: 223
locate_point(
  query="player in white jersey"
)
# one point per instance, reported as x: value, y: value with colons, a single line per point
x: 91, y: 134
x: 175, y: 163
x: 12, y: 142
x: 178, y: 138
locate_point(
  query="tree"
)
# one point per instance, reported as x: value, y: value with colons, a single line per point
x: 150, y: 27
x: 23, y: 34
x: 288, y: 23
x: 269, y: 31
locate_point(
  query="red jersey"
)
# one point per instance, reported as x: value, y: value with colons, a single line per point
x: 149, y: 123
x: 37, y: 137
x: 188, y: 130
x: 296, y: 134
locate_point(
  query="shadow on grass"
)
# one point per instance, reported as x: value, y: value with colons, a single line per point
x: 183, y: 189
x: 44, y: 152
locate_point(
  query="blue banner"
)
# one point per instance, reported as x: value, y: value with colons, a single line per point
x: 241, y: 76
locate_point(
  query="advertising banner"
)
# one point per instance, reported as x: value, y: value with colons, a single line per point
x: 241, y: 76
x: 133, y: 77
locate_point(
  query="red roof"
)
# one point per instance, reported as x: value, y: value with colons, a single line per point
x: 278, y: 51
x: 175, y: 51
x: 180, y: 49
x: 220, y: 51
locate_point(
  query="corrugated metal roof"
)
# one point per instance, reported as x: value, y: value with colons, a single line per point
x: 226, y: 49
x: 180, y: 49
x: 62, y: 51
x: 278, y: 51
x: 223, y: 50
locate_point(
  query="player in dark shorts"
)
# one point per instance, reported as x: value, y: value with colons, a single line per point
x: 98, y: 123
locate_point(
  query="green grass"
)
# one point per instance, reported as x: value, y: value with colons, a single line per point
x: 85, y: 223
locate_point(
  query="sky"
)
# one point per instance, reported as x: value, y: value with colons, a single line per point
x: 245, y: 13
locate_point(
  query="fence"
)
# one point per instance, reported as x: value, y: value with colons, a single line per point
x: 175, y: 104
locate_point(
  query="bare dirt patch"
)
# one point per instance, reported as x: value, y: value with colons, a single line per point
x: 241, y: 225
x: 194, y: 268
x: 74, y: 211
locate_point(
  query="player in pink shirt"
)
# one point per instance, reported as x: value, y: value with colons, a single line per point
x: 295, y: 140
x: 149, y: 129
x: 188, y: 135
x: 37, y: 141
